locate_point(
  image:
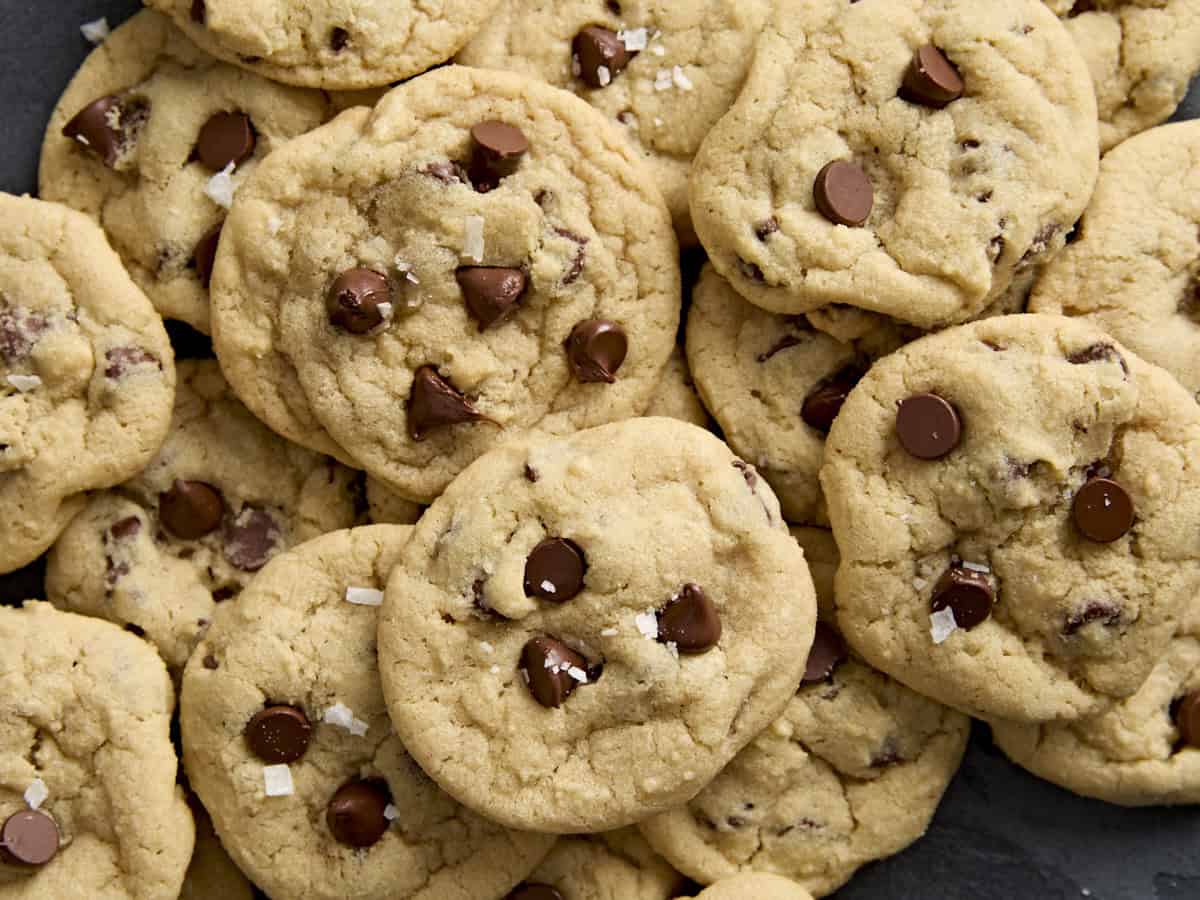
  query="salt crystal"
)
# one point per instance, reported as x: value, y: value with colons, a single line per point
x: 609, y: 632
x: 604, y: 76
x: 364, y: 596
x: 680, y: 79
x: 942, y: 625
x: 277, y: 781
x: 634, y: 39
x: 274, y: 225
x: 473, y: 238
x: 647, y: 624
x: 343, y: 717
x: 36, y: 793
x: 25, y: 383
x: 391, y: 813
x: 95, y: 32
x: 486, y: 647
x: 220, y: 188
x: 975, y: 567
x: 662, y: 80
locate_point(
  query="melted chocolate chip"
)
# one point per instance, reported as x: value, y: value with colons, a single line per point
x: 199, y: 12
x: 748, y: 473
x: 534, y: 890
x: 690, y: 621
x: 491, y: 294
x: 555, y: 570
x: 210, y: 662
x: 827, y: 653
x: 121, y: 360
x: 278, y: 734
x: 125, y: 529
x: 784, y: 343
x: 765, y: 229
x: 191, y: 509
x: 205, y: 254
x: 1106, y: 614
x: 251, y: 539
x: 496, y: 151
x: 928, y: 426
x: 20, y: 330
x: 338, y: 39
x: 446, y: 172
x: 435, y: 403
x: 1187, y: 719
x: 931, y: 79
x: 579, y: 259
x: 1098, y: 353
x: 547, y: 665
x: 357, y: 813
x: 825, y: 401
x: 596, y: 350
x: 227, y: 137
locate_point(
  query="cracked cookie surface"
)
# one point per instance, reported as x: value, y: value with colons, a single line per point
x: 582, y: 633
x: 1134, y: 269
x: 956, y: 198
x: 1014, y: 501
x: 87, y: 374
x: 222, y: 497
x: 85, y: 741
x: 677, y: 67
x: 141, y: 173
x: 297, y: 657
x: 616, y: 865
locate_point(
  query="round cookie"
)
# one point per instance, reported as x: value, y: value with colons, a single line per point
x: 386, y: 507
x: 337, y: 46
x: 137, y: 142
x: 429, y: 316
x: 1015, y: 505
x: 645, y: 587
x: 282, y: 697
x: 774, y: 385
x: 616, y: 865
x: 1142, y: 56
x: 759, y: 885
x: 211, y: 875
x: 224, y: 494
x: 847, y: 173
x: 88, y: 798
x: 675, y: 397
x: 86, y: 373
x: 821, y: 554
x: 667, y: 70
x: 1134, y: 269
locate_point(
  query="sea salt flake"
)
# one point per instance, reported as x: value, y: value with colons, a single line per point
x: 343, y: 717
x: 609, y: 632
x: 976, y: 567
x: 486, y: 647
x: 360, y: 596
x: 658, y: 50
x: 662, y: 80
x: 578, y: 674
x: 36, y: 794
x: 680, y: 79
x: 274, y: 225
x: 942, y: 625
x: 647, y: 624
x: 549, y: 587
x: 604, y: 76
x: 221, y: 188
x: 391, y: 813
x: 25, y: 383
x: 634, y: 39
x: 96, y: 31
x: 277, y: 781
x: 385, y: 311
x: 473, y: 238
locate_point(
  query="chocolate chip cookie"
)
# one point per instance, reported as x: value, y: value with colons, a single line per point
x: 224, y: 495
x: 338, y: 46
x: 152, y: 138
x: 1134, y: 268
x: 617, y: 865
x: 480, y: 258
x: 759, y: 885
x: 386, y: 507
x: 1014, y: 501
x: 88, y: 801
x: 287, y: 741
x: 903, y: 158
x: 87, y: 375
x: 585, y: 631
x: 666, y: 70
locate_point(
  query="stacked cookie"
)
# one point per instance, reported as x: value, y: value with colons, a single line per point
x: 462, y: 593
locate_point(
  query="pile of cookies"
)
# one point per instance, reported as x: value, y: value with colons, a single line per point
x: 499, y: 554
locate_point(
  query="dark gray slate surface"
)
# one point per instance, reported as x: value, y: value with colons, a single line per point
x: 1000, y: 835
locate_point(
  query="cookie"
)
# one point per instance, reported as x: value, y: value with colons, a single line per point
x: 337, y: 46
x: 211, y: 875
x: 88, y: 797
x: 224, y: 495
x: 427, y: 316
x: 86, y: 373
x: 774, y: 384
x: 386, y: 507
x: 759, y: 885
x: 852, y: 772
x: 1015, y: 505
x: 666, y: 70
x: 675, y: 397
x: 821, y: 554
x: 618, y: 865
x: 142, y: 141
x: 585, y: 631
x: 903, y: 158
x: 1142, y: 57
x: 287, y: 742
x: 1144, y: 751
x: 1134, y: 269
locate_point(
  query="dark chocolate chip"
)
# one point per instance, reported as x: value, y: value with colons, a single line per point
x: 555, y: 570
x: 119, y: 361
x: 690, y: 621
x: 210, y: 662
x: 1098, y: 353
x: 928, y: 426
x: 205, y: 254
x: 29, y: 838
x: 601, y: 55
x: 596, y: 349
x: 338, y: 39
x: 98, y: 127
x: 446, y: 172
x: 531, y: 474
x: 251, y: 539
x: 125, y: 528
x: 1107, y: 614
x: 824, y: 402
x: 1187, y: 719
x: 278, y: 734
x: 843, y: 193
x: 496, y: 151
x: 827, y: 653
x: 546, y: 663
x: 784, y: 343
x: 135, y: 630
x: 534, y: 890
x: 199, y: 12
x: 765, y: 229
x: 357, y: 813
x: 931, y: 79
x: 748, y: 473
x: 967, y: 593
x: 227, y: 137
x: 491, y: 294
x: 579, y: 259
x: 1103, y: 511
x: 435, y: 403
x: 357, y: 300
x: 191, y: 509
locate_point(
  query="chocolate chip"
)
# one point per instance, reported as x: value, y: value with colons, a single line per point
x: 1103, y: 511
x: 928, y: 426
x: 843, y: 193
x: 205, y: 254
x: 967, y: 593
x: 446, y: 172
x: 435, y: 403
x: 496, y: 151
x: 199, y: 12
x: 97, y: 127
x: 824, y: 402
x: 533, y: 890
x: 1097, y: 611
x: 121, y: 360
x: 1187, y: 719
x: 210, y: 662
x: 690, y: 621
x: 601, y: 55
x: 491, y: 294
x: 125, y: 528
x: 555, y: 570
x: 579, y: 259
x: 251, y: 539
x: 20, y: 330
x: 357, y: 300
x: 784, y: 343
x: 356, y: 814
x: 28, y: 839
x: 1098, y: 353
x: 190, y: 509
x: 278, y: 734
x: 338, y: 39
x: 596, y: 349
x: 931, y: 79
x: 827, y: 653
x: 547, y: 665
x: 135, y: 630
x: 227, y: 137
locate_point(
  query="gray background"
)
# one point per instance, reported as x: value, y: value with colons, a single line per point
x: 1000, y: 834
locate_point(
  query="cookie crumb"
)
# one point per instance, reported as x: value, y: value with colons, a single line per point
x: 662, y: 80
x: 25, y: 383
x: 360, y: 596
x: 343, y: 717
x: 604, y: 76
x: 495, y: 670
x: 473, y: 238
x: 96, y: 31
x: 942, y: 625
x: 609, y: 632
x: 680, y: 79
x: 277, y: 781
x: 36, y: 793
